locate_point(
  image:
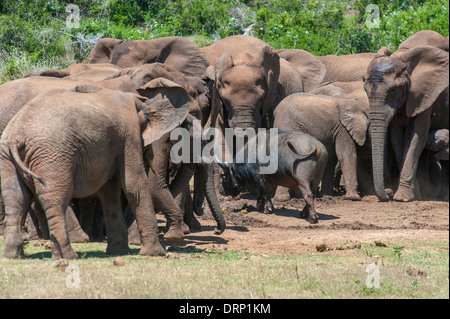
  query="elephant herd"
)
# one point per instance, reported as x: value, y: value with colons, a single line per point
x: 85, y: 152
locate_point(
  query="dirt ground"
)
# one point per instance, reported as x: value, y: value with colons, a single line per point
x: 340, y: 222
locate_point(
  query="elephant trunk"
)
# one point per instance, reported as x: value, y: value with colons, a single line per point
x: 206, y: 175
x: 199, y: 195
x: 378, y: 130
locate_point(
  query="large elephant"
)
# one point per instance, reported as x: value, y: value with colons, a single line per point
x: 15, y: 94
x: 176, y: 52
x: 164, y: 193
x: 408, y: 95
x: 250, y: 79
x: 339, y: 122
x: 91, y: 143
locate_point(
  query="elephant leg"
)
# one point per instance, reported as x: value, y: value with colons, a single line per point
x: 91, y: 218
x: 346, y: 153
x: 415, y: 138
x: 116, y: 228
x: 328, y: 177
x: 164, y: 202
x: 199, y: 195
x: 76, y: 233
x: 137, y: 191
x: 41, y: 221
x: 55, y: 206
x: 179, y: 188
x: 17, y: 200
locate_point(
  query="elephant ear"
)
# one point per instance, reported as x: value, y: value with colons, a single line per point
x: 101, y: 52
x: 428, y: 67
x: 309, y: 66
x: 355, y: 120
x: 166, y: 107
x: 270, y: 61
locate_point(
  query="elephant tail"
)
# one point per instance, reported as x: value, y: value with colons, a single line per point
x: 18, y: 163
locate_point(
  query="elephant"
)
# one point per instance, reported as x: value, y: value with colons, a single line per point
x: 300, y: 164
x: 176, y: 52
x: 346, y: 68
x: 165, y: 193
x: 334, y: 68
x: 339, y: 122
x: 424, y: 37
x: 80, y: 72
x: 432, y: 171
x: 249, y: 80
x: 408, y: 96
x: 15, y: 95
x: 92, y: 143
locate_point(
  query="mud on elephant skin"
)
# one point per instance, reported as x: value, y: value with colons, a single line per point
x: 114, y: 160
x: 300, y: 164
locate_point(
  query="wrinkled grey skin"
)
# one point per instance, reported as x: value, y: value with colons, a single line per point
x: 340, y: 123
x: 301, y: 164
x: 104, y: 158
x: 408, y: 97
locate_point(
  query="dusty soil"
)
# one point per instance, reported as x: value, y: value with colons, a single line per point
x: 340, y: 222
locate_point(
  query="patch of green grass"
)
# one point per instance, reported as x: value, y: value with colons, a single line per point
x: 197, y: 272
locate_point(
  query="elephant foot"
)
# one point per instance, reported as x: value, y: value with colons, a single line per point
x: 174, y: 234
x: 389, y: 192
x: 16, y: 252
x: 198, y: 210
x: 352, y: 196
x: 404, y: 195
x: 152, y: 250
x: 117, y: 250
x: 68, y: 254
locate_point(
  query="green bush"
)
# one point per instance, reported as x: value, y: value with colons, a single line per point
x: 37, y: 31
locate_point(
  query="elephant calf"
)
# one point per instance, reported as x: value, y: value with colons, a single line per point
x: 339, y: 122
x: 301, y: 162
x: 74, y: 144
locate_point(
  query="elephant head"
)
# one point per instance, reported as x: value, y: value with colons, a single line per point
x: 402, y: 84
x: 245, y: 88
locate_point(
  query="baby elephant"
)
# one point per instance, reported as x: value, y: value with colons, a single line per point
x: 301, y: 161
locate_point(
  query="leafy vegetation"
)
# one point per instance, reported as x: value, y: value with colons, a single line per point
x: 37, y: 33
